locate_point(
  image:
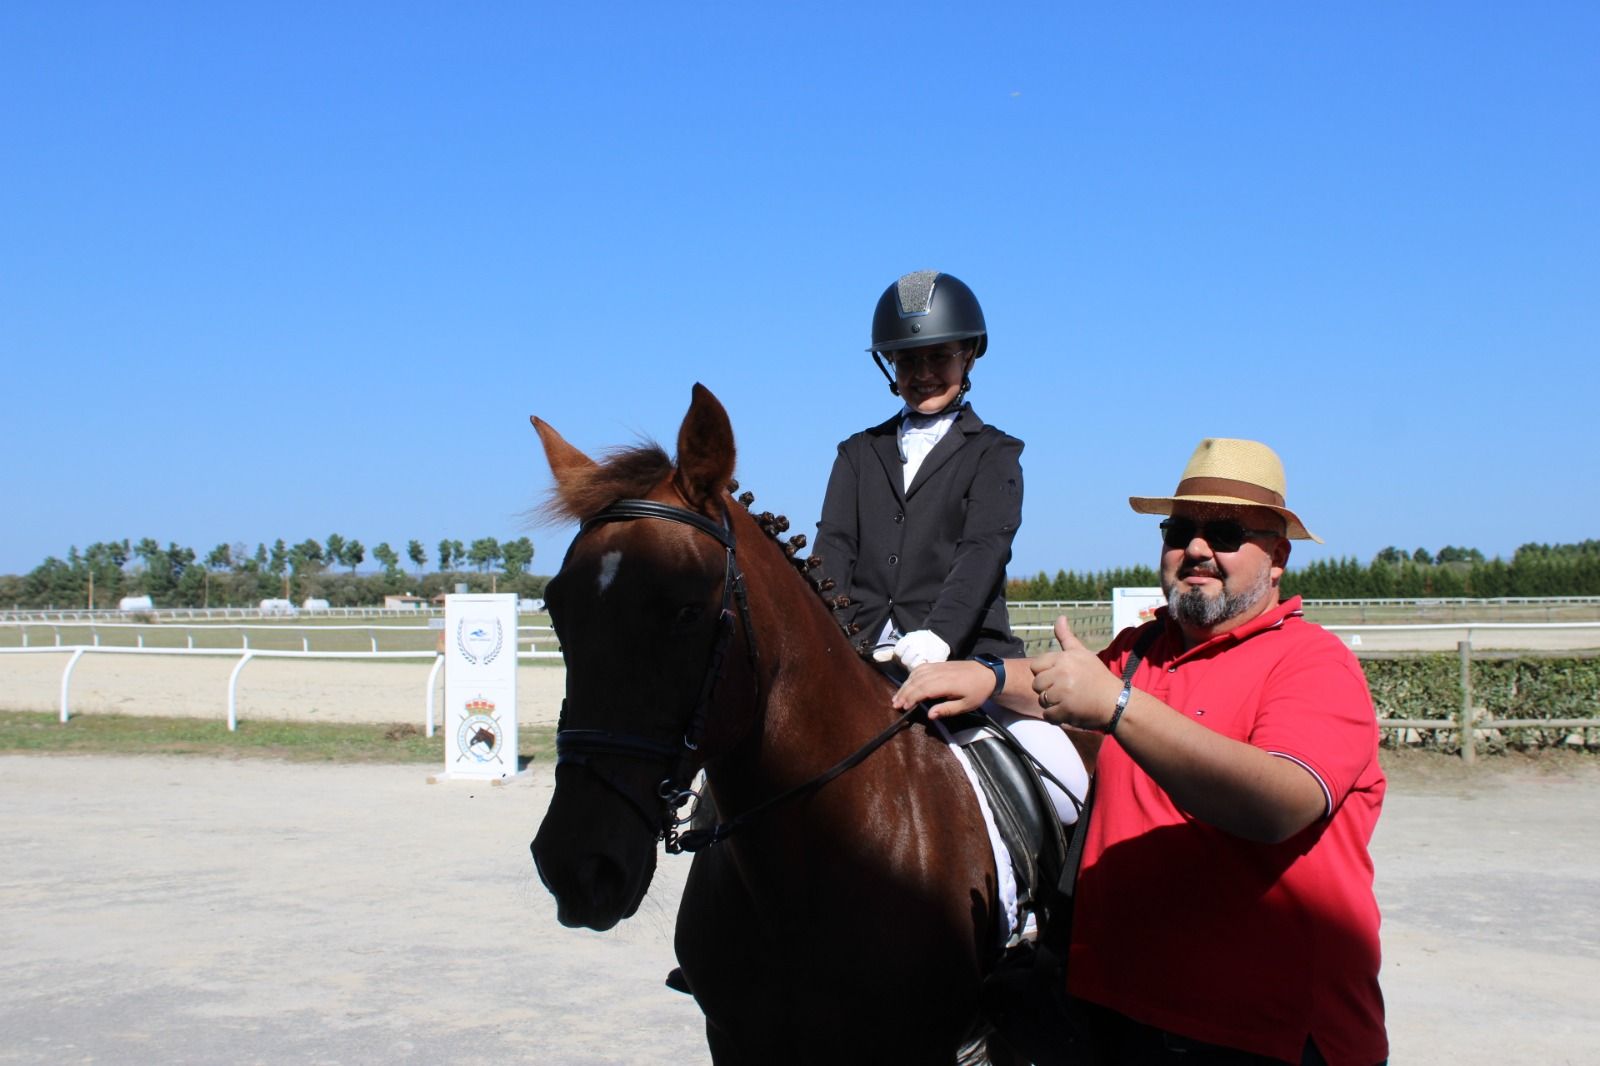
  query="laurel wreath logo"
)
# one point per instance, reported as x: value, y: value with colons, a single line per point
x: 469, y: 655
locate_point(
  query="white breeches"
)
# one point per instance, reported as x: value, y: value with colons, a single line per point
x: 1049, y: 744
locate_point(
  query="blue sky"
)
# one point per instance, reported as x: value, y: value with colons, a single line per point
x: 286, y: 270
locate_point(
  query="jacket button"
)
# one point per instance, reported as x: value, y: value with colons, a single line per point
x: 899, y: 516
x: 894, y: 560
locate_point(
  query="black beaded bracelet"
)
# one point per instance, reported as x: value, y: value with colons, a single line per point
x: 1122, y: 705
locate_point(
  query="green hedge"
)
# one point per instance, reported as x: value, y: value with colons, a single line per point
x: 1429, y: 686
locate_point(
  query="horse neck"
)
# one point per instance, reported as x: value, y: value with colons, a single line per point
x: 819, y: 699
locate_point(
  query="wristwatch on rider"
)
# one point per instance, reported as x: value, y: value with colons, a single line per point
x: 998, y: 666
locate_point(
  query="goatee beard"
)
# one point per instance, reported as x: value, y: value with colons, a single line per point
x: 1193, y: 608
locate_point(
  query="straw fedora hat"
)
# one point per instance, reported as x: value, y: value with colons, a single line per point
x: 1244, y: 473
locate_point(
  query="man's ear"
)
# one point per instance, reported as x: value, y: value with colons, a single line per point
x: 1280, y: 558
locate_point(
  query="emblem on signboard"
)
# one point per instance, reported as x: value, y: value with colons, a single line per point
x: 479, y: 639
x: 479, y: 737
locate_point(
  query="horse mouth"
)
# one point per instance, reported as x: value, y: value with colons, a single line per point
x: 593, y: 891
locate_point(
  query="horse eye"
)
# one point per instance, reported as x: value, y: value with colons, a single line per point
x: 688, y: 614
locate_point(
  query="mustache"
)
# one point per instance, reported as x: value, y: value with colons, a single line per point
x: 1207, y: 569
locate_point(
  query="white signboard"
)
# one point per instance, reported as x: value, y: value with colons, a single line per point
x: 1133, y: 607
x: 480, y: 686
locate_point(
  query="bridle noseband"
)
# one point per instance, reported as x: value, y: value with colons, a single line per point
x: 578, y: 746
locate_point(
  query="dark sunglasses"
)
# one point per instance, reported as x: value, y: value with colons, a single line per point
x: 1223, y: 534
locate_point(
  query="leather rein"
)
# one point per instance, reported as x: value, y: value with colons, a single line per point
x: 581, y: 746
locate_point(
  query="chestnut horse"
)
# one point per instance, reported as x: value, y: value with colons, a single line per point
x: 851, y: 921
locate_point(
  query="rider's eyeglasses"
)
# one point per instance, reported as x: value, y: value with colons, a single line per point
x: 1224, y: 534
x: 937, y: 362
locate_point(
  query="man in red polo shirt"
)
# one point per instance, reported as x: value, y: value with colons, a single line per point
x: 1224, y: 906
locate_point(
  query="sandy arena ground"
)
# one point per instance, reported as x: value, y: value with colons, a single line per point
x: 178, y: 910
x: 196, y: 686
x: 185, y: 910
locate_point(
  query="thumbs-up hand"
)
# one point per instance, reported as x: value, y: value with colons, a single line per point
x: 1074, y: 686
x: 1066, y: 639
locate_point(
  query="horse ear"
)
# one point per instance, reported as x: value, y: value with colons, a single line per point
x: 564, y: 459
x: 705, y: 449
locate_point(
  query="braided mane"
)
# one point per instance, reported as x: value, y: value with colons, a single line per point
x: 774, y: 526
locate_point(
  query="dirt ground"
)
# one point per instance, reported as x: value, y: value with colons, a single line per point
x: 178, y: 910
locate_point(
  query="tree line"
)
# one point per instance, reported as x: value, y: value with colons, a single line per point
x: 232, y: 575
x: 1450, y: 573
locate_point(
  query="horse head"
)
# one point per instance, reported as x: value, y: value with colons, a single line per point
x: 650, y: 609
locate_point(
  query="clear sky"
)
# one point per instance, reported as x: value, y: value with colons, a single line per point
x: 291, y: 269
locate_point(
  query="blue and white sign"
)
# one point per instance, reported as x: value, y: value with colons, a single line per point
x: 480, y: 686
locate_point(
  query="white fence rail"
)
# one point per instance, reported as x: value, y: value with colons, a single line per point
x: 171, y: 614
x: 77, y: 652
x: 243, y: 629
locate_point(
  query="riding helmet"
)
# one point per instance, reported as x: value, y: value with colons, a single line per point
x: 926, y: 307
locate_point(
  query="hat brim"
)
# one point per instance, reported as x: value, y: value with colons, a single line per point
x: 1294, y: 528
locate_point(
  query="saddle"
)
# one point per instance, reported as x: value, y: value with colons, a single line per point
x: 1023, y: 814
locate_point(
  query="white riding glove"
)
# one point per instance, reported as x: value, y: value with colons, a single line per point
x: 921, y: 646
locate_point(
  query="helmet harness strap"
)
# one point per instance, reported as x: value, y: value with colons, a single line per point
x: 960, y: 398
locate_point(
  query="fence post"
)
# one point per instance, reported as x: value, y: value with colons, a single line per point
x: 1469, y: 739
x: 233, y: 692
x: 432, y: 674
x: 66, y: 684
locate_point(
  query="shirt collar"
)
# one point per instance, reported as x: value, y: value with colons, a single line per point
x: 911, y: 420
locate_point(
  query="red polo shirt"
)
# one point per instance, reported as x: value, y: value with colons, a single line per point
x: 1188, y: 928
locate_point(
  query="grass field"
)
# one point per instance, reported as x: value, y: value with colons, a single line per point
x: 115, y: 734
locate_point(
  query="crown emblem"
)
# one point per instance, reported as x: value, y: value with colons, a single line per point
x: 479, y: 705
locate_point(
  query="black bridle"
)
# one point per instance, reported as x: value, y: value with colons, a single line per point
x: 579, y: 746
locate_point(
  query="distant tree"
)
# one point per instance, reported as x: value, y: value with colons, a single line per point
x: 354, y: 553
x: 306, y: 557
x: 1422, y: 557
x: 1061, y: 588
x: 52, y: 583
x: 103, y: 565
x: 1390, y: 555
x: 334, y: 551
x: 484, y: 553
x: 163, y: 568
x: 447, y: 550
x: 220, y: 558
x: 1450, y: 554
x: 111, y: 555
x: 459, y: 552
x: 278, y: 564
x: 417, y: 554
x: 517, y: 555
x: 387, y: 559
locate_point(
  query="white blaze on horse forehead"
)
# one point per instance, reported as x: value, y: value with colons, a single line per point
x: 608, y: 569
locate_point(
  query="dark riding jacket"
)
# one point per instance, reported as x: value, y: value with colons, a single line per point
x: 934, y: 556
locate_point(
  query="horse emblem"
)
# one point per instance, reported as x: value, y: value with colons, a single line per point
x: 479, y: 639
x: 479, y: 737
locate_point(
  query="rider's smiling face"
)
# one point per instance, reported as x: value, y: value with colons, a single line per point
x: 930, y: 378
